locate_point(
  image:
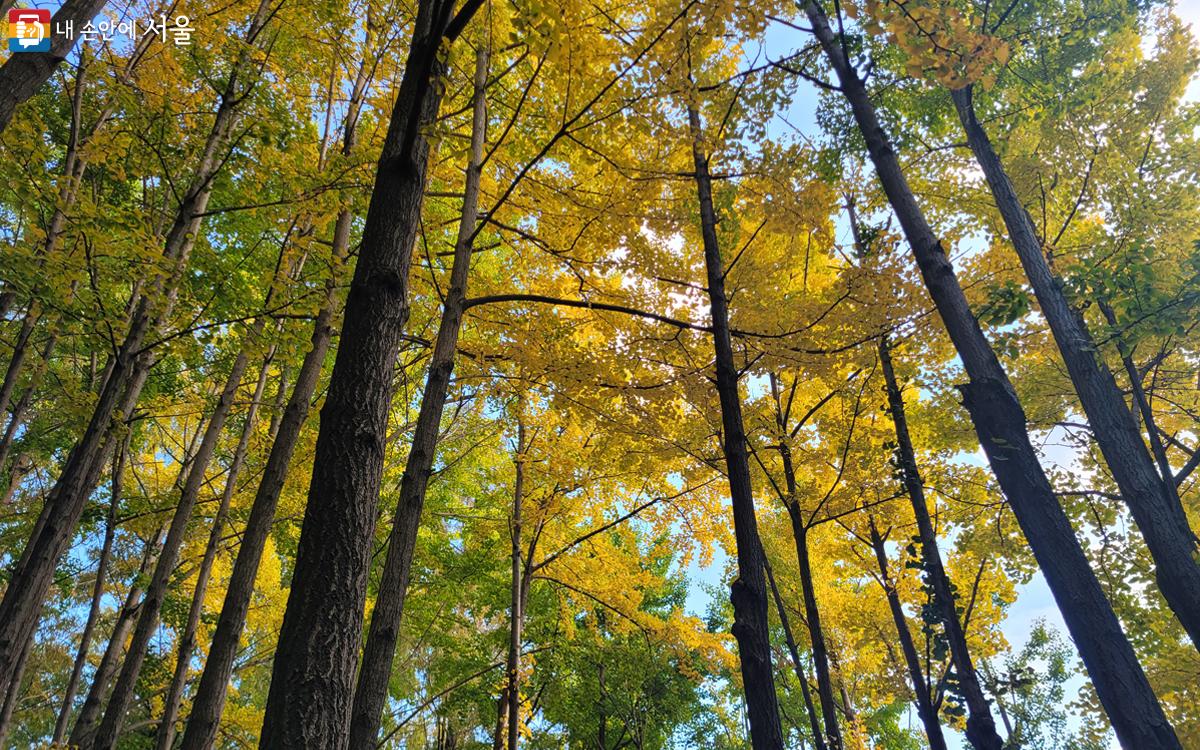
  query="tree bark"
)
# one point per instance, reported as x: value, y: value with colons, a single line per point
x: 925, y: 708
x: 34, y: 570
x: 999, y: 420
x: 1154, y: 504
x: 501, y: 716
x: 128, y: 368
x: 17, y: 417
x: 23, y: 74
x: 309, y: 703
x: 981, y: 727
x: 85, y: 639
x: 20, y: 348
x: 209, y: 701
x: 156, y: 592
x: 812, y: 612
x: 813, y: 719
x: 89, y: 713
x: 13, y: 697
x: 748, y: 592
x: 165, y: 737
x: 517, y: 614
x: 379, y: 651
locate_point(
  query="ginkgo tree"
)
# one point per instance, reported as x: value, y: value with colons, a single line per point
x: 496, y: 374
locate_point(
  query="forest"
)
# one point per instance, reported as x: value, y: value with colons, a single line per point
x: 600, y: 375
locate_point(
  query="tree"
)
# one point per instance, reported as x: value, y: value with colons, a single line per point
x: 1001, y: 425
x: 310, y: 698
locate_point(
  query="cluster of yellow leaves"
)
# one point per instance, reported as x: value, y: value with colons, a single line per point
x: 939, y: 41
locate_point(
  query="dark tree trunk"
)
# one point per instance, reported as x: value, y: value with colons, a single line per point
x: 1140, y: 399
x: 85, y: 640
x: 517, y: 612
x: 23, y: 74
x: 89, y: 713
x: 748, y: 592
x: 379, y: 651
x: 31, y: 578
x: 999, y: 420
x: 501, y: 716
x: 925, y: 708
x: 156, y: 592
x: 812, y: 613
x: 64, y: 505
x: 17, y: 418
x: 312, y: 683
x: 981, y: 727
x: 13, y: 697
x: 127, y: 372
x: 509, y: 704
x: 1154, y: 503
x: 187, y: 639
x: 209, y: 701
x: 813, y: 719
x: 20, y: 348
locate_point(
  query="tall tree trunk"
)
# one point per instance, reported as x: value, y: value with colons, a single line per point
x: 925, y: 708
x: 1140, y: 399
x: 509, y: 703
x: 309, y: 703
x: 13, y: 697
x: 89, y: 713
x: 517, y: 613
x: 286, y: 423
x: 379, y: 651
x: 748, y: 592
x: 122, y: 694
x: 1154, y: 503
x: 209, y: 701
x: 128, y: 368
x: 981, y: 727
x: 20, y: 348
x: 501, y: 717
x: 511, y: 663
x: 22, y: 75
x: 813, y: 719
x: 999, y: 420
x: 85, y: 639
x: 17, y: 418
x: 32, y: 569
x: 812, y: 613
x: 187, y: 639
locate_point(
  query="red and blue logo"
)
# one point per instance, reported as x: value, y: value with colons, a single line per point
x: 28, y: 30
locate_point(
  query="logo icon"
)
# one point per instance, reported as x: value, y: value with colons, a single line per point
x: 28, y: 30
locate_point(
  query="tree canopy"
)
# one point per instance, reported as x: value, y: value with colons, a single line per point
x: 461, y: 374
